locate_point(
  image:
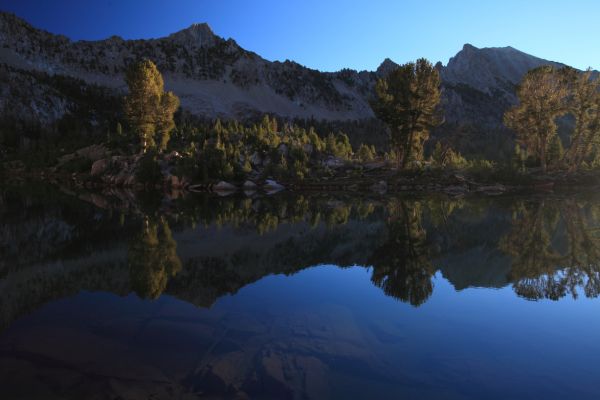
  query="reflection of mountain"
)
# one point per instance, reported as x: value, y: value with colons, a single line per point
x: 204, y: 248
x: 215, y: 261
x: 470, y: 255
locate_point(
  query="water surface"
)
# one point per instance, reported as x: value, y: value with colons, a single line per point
x: 298, y: 297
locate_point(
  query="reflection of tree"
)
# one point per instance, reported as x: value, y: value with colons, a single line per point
x: 153, y: 258
x: 265, y: 214
x: 539, y: 269
x: 401, y: 266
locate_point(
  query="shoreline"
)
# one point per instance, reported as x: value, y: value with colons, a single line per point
x: 452, y: 183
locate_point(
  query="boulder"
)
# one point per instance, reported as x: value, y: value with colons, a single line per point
x: 99, y: 167
x: 256, y: 159
x: 94, y: 152
x: 333, y: 162
x: 249, y: 185
x: 283, y: 149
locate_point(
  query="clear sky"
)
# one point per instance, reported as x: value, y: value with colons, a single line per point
x: 333, y: 34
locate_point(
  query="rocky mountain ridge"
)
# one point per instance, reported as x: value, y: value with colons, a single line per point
x: 215, y: 77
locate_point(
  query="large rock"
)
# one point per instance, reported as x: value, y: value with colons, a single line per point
x: 256, y: 159
x: 94, y: 152
x: 283, y: 149
x: 99, y: 167
x: 333, y: 162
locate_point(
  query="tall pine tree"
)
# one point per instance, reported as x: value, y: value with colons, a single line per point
x: 407, y: 101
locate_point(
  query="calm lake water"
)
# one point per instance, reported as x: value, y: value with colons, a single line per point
x: 115, y: 296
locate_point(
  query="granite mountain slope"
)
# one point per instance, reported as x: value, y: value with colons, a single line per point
x: 45, y: 77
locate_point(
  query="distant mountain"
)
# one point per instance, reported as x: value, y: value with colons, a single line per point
x: 46, y: 77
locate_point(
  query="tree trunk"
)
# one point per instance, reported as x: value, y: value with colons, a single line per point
x: 543, y: 158
x: 399, y: 158
x: 408, y: 150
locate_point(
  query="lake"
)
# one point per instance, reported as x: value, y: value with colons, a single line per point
x: 125, y: 296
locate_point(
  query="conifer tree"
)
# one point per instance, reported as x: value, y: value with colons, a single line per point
x: 148, y: 108
x: 584, y: 105
x: 407, y: 101
x: 542, y: 98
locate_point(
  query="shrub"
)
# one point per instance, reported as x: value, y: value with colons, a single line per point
x: 366, y: 153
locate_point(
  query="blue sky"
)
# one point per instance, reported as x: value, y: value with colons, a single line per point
x: 333, y: 34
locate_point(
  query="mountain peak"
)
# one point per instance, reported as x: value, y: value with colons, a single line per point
x: 199, y: 34
x: 490, y: 67
x: 386, y: 67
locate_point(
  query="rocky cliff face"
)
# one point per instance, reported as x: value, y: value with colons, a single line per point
x: 215, y: 77
x: 212, y: 76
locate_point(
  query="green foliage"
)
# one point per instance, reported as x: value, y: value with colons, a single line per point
x: 407, y: 101
x: 149, y: 109
x: 269, y: 149
x: 366, y: 153
x: 542, y: 98
x: 584, y: 106
x: 447, y: 157
x: 545, y: 94
x: 339, y: 145
x: 153, y: 258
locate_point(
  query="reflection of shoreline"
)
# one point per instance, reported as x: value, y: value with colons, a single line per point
x: 216, y: 261
x: 223, y: 244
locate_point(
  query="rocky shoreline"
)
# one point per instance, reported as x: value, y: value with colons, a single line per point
x: 106, y: 170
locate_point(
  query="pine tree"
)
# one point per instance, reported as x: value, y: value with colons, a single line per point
x: 407, y: 101
x: 542, y: 98
x: 149, y: 109
x: 169, y: 103
x: 584, y: 105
